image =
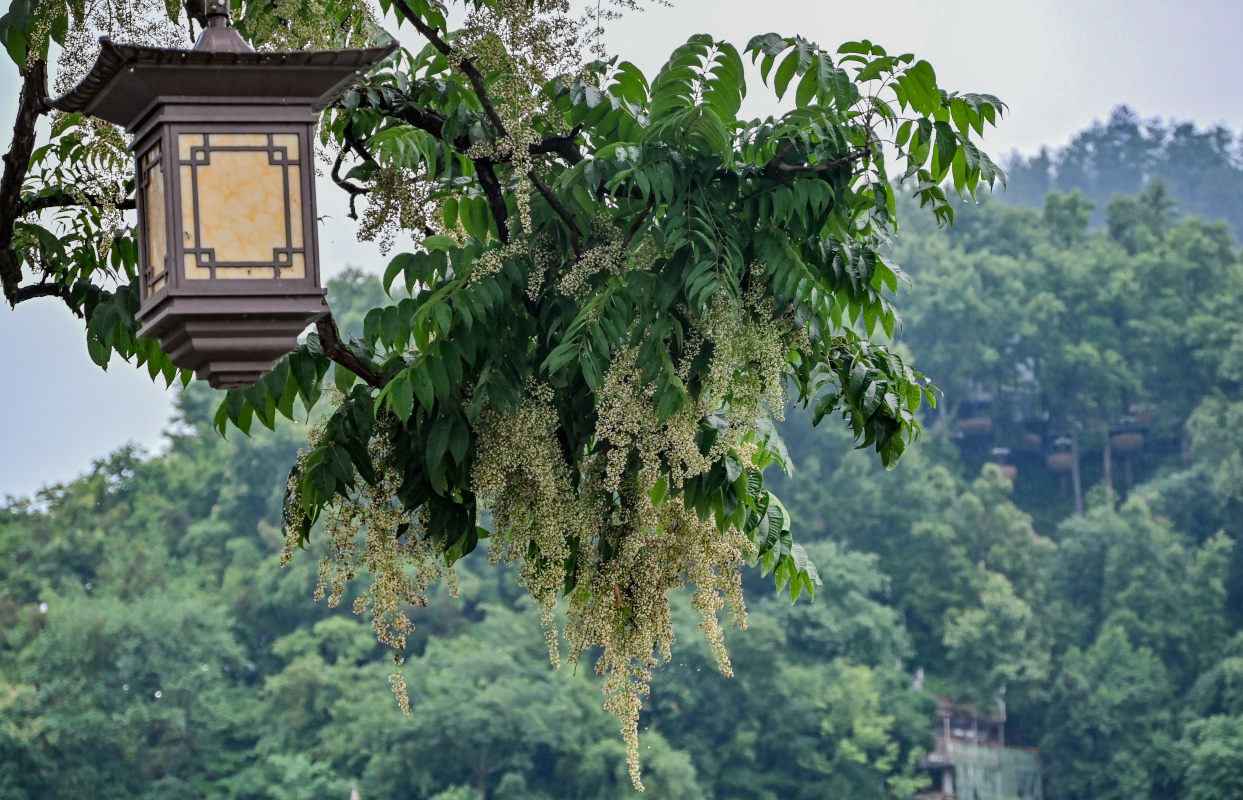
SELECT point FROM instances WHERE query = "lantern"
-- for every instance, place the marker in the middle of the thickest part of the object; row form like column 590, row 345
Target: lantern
column 225, row 183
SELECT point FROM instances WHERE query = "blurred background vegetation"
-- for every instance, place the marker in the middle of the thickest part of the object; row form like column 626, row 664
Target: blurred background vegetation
column 1063, row 541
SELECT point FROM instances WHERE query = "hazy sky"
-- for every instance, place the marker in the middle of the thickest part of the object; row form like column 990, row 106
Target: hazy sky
column 1058, row 64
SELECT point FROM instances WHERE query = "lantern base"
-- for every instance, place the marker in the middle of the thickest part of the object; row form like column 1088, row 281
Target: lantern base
column 230, row 343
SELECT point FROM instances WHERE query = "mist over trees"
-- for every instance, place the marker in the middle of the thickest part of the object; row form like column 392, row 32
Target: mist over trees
column 612, row 279
column 1201, row 168
column 174, row 658
column 607, row 285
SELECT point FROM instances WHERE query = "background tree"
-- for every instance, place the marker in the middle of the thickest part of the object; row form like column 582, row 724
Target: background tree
column 1201, row 169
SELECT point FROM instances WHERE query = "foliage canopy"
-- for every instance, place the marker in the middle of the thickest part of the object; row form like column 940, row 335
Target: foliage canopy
column 611, row 286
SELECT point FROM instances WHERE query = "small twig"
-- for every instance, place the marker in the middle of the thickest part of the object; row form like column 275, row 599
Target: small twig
column 354, row 189
column 551, row 198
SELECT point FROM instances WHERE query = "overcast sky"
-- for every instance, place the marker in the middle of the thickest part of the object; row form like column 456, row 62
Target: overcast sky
column 1058, row 64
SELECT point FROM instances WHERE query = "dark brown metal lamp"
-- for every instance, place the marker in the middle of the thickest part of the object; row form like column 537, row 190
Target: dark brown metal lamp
column 223, row 146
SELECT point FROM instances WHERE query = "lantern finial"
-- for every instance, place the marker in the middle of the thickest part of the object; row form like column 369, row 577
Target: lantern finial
column 218, row 35
column 208, row 12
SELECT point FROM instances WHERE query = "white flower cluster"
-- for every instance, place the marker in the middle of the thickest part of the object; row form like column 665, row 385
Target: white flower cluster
column 370, row 532
column 628, row 551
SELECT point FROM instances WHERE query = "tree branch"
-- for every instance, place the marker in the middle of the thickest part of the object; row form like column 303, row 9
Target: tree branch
column 428, row 120
column 30, row 106
column 563, row 146
column 780, row 156
column 484, row 168
column 551, row 198
column 63, row 199
column 354, row 189
column 782, row 166
column 30, row 292
column 433, row 122
column 466, row 65
column 338, row 352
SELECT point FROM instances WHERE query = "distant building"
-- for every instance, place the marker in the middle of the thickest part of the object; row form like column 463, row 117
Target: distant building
column 971, row 760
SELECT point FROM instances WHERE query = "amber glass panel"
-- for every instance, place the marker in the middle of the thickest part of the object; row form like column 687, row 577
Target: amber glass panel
column 155, row 224
column 238, row 140
column 296, row 268
column 192, row 270
column 185, row 142
column 289, row 141
column 243, row 210
column 295, row 207
column 243, row 273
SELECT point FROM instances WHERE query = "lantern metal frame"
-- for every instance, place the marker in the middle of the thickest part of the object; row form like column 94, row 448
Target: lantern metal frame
column 231, row 323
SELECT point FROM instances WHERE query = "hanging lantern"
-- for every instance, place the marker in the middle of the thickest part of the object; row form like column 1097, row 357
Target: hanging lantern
column 223, row 141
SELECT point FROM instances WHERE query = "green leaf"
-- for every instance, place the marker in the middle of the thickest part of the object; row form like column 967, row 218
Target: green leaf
column 400, row 395
column 400, row 263
column 785, row 73
column 449, row 212
column 808, row 88
column 423, row 387
column 904, row 134
column 437, row 447
column 459, row 440
column 343, row 378
column 439, row 242
column 947, row 145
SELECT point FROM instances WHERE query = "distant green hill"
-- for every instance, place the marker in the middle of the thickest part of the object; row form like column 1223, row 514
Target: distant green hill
column 1203, row 169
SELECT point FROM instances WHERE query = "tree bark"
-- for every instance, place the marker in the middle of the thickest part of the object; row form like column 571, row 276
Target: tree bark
column 30, row 106
column 1076, row 481
column 1107, row 465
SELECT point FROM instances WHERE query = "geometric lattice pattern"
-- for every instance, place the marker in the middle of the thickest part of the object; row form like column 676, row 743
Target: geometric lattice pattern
column 241, row 205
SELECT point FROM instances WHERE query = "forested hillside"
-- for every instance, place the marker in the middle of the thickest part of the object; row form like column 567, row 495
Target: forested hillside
column 152, row 647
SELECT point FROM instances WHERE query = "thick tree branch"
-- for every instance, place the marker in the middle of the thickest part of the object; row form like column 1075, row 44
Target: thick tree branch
column 338, row 352
column 30, row 292
column 563, row 146
column 30, row 106
column 465, row 65
column 782, row 166
column 485, row 168
column 426, row 120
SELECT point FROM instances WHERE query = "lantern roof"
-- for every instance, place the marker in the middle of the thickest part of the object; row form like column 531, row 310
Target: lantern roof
column 126, row 81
